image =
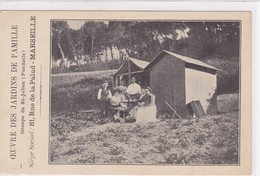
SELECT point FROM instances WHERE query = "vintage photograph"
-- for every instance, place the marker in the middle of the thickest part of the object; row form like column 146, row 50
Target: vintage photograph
column 144, row 92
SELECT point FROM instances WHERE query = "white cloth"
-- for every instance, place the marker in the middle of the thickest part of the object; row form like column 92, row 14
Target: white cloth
column 146, row 114
column 133, row 89
column 117, row 99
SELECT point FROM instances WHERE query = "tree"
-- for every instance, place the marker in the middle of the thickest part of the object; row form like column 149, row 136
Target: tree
column 57, row 29
column 93, row 33
column 141, row 39
column 209, row 38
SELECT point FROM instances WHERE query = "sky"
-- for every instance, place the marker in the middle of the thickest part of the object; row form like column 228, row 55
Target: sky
column 75, row 24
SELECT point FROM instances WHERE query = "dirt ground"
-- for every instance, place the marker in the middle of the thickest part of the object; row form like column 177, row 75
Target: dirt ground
column 87, row 140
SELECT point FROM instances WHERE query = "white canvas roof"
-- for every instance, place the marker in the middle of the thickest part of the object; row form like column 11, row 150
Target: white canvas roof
column 139, row 63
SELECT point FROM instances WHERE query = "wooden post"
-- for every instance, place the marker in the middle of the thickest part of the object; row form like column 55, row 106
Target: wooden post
column 129, row 72
column 92, row 48
column 115, row 78
column 116, row 81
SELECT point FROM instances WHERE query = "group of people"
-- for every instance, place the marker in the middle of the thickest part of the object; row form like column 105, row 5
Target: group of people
column 142, row 107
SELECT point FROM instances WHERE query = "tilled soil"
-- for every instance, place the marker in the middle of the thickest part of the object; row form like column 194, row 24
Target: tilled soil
column 198, row 141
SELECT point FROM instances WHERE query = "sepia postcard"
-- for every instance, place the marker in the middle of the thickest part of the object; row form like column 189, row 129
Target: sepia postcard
column 125, row 92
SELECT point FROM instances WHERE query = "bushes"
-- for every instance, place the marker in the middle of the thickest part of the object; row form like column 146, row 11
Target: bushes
column 98, row 66
column 74, row 96
column 228, row 77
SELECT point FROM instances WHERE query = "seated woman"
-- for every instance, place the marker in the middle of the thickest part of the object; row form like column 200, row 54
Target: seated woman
column 146, row 110
column 117, row 101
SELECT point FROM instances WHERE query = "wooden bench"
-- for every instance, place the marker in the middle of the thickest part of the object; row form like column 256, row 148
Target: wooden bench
column 88, row 111
column 123, row 110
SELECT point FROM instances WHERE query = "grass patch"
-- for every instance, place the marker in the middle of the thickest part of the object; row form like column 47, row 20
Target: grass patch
column 75, row 91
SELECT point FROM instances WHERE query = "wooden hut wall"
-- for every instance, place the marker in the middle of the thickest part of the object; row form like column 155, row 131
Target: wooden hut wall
column 167, row 78
column 201, row 86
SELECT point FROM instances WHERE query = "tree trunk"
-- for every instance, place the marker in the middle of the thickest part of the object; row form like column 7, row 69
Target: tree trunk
column 106, row 54
column 62, row 54
column 129, row 71
column 112, row 54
